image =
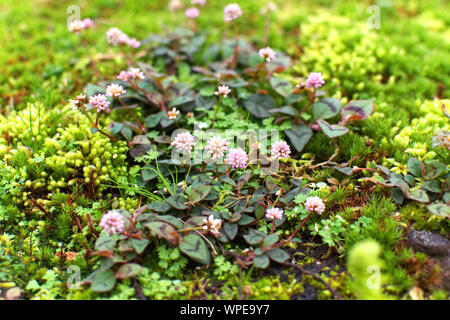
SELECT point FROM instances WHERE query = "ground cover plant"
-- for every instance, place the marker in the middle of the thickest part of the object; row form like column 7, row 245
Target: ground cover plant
column 225, row 150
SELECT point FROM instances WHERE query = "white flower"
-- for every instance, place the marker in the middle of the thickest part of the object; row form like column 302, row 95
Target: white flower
column 136, row 73
column 216, row 147
column 267, row 54
column 222, row 91
column 115, row 90
column 212, row 225
column 173, row 114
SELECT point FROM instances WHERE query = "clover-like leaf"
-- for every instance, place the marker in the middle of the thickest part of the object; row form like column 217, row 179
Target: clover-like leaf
column 326, row 108
column 163, row 230
column 139, row 245
column 299, row 136
column 195, row 248
column 230, row 229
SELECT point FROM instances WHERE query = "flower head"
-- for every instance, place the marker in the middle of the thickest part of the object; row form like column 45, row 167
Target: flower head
column 222, row 91
column 315, row 204
column 112, row 222
column 267, row 54
column 212, row 225
column 198, row 2
column 133, row 43
column 192, row 13
column 237, row 158
column 271, row 7
column 175, row 5
column 274, row 213
column 173, row 114
column 280, row 150
column 88, row 23
column 76, row 26
column 232, row 12
column 100, row 102
column 115, row 36
column 315, row 79
column 76, row 103
column 136, row 73
column 216, row 147
column 114, row 90
column 183, row 142
column 123, row 76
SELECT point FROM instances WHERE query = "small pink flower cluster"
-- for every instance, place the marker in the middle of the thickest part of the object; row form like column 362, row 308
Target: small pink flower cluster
column 77, row 102
column 115, row 36
column 267, row 54
column 192, row 13
column 175, row 5
column 280, row 150
column 100, row 102
column 212, row 225
column 314, row 80
column 134, row 73
column 274, row 213
column 115, row 90
column 237, row 158
column 315, row 204
column 222, row 91
column 232, row 12
column 198, row 2
column 216, row 147
column 183, row 142
column 112, row 222
column 77, row 26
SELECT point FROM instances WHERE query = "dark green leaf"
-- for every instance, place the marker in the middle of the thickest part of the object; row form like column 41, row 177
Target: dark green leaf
column 299, row 136
column 261, row 262
column 195, row 248
column 128, row 270
column 326, row 108
column 281, row 86
column 163, row 230
column 103, row 281
column 277, row 255
column 332, row 130
column 259, row 105
column 230, row 229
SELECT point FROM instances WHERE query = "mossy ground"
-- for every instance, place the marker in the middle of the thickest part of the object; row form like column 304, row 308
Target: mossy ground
column 54, row 171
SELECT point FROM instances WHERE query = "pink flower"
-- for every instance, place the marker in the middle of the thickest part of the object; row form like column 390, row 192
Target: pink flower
column 315, row 79
column 175, row 5
column 192, row 13
column 274, row 213
column 115, row 90
column 267, row 54
column 100, row 102
column 123, row 76
column 315, row 204
column 76, row 103
column 76, row 26
column 237, row 158
column 112, row 222
column 136, row 73
column 280, row 150
column 115, row 36
column 198, row 2
column 88, row 23
column 232, row 12
column 216, row 147
column 183, row 142
column 133, row 43
column 222, row 91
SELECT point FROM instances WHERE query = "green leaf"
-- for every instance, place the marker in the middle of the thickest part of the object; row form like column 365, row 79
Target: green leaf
column 140, row 245
column 326, row 108
column 277, row 255
column 432, row 186
column 332, row 130
column 105, row 242
column 270, row 240
column 199, row 193
column 103, row 281
column 439, row 209
column 261, row 261
column 245, row 220
column 254, row 237
column 230, row 229
column 286, row 110
column 418, row 195
column 92, row 90
column 195, row 248
column 281, row 86
column 128, row 270
column 415, row 166
column 299, row 136
column 163, row 230
column 357, row 110
column 259, row 105
column 433, row 169
column 153, row 120
column 177, row 201
column 159, row 206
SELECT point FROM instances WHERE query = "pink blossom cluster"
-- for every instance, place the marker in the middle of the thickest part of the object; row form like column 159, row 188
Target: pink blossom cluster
column 77, row 102
column 175, row 5
column 237, row 158
column 192, row 13
column 77, row 26
column 115, row 90
column 232, row 12
column 216, row 147
column 267, row 54
column 100, row 102
column 183, row 142
column 112, row 222
column 212, row 225
column 280, row 150
column 115, row 36
column 222, row 91
column 134, row 73
column 274, row 213
column 314, row 80
column 198, row 2
column 315, row 204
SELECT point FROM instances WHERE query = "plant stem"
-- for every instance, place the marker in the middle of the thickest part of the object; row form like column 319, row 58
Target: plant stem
column 132, row 114
column 215, row 113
